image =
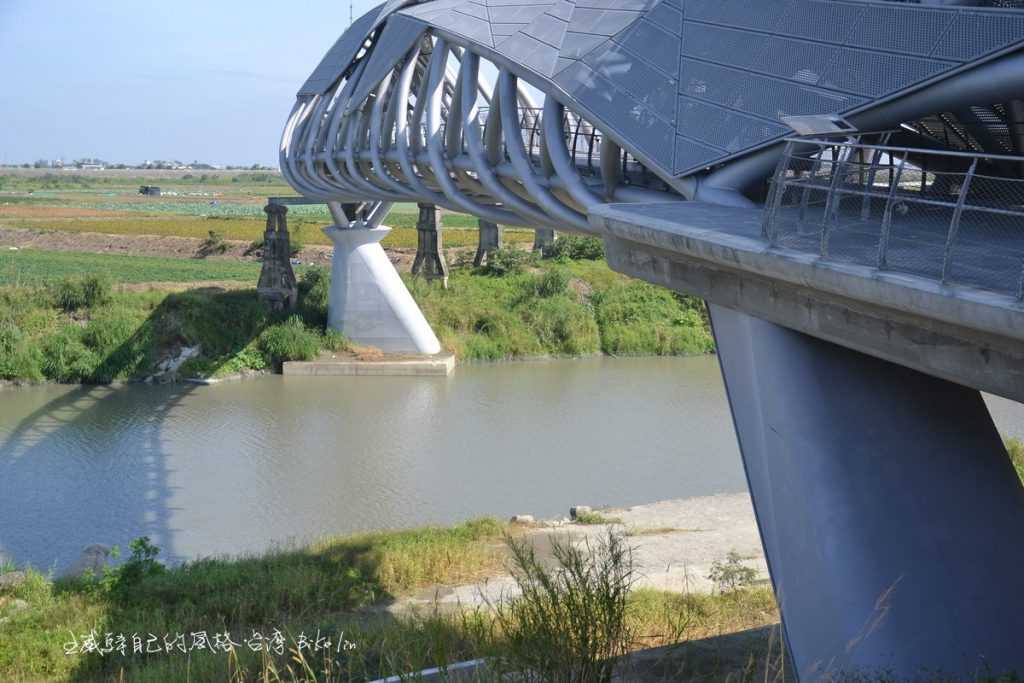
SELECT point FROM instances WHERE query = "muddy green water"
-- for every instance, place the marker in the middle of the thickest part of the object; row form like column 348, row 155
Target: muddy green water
column 242, row 466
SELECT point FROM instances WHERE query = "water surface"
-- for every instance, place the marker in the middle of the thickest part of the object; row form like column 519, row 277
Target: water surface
column 240, row 466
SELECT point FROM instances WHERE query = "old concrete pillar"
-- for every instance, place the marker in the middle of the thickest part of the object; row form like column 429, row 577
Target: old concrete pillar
column 429, row 256
column 490, row 240
column 277, row 287
column 543, row 238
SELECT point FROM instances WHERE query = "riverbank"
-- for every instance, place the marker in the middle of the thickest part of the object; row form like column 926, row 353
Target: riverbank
column 94, row 330
column 367, row 593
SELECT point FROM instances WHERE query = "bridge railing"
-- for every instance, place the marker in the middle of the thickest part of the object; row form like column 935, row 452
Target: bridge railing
column 955, row 217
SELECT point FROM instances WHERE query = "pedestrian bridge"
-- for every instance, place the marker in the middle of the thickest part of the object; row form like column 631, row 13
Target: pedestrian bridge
column 841, row 180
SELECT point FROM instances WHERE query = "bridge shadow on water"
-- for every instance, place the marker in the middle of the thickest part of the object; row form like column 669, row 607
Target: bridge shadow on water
column 90, row 465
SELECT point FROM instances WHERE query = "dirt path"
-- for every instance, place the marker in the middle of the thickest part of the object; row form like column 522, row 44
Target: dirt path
column 674, row 543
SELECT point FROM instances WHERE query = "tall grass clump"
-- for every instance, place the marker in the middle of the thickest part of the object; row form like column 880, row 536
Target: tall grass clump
column 90, row 291
column 314, row 287
column 639, row 318
column 569, row 625
column 290, row 340
column 19, row 358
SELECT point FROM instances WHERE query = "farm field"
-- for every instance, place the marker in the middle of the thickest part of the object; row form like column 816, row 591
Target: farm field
column 192, row 205
column 29, row 267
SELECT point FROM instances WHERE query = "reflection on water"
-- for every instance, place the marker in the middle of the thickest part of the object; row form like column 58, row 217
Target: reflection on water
column 235, row 467
column 238, row 467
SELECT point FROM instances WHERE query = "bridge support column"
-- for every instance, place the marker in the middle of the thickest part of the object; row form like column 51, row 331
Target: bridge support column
column 490, row 241
column 277, row 287
column 543, row 238
column 429, row 259
column 368, row 302
column 890, row 514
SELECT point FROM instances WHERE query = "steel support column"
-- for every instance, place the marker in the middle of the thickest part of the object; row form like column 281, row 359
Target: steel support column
column 890, row 514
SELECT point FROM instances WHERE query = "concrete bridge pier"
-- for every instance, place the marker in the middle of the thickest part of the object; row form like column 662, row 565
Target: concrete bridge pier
column 490, row 241
column 890, row 514
column 543, row 238
column 368, row 302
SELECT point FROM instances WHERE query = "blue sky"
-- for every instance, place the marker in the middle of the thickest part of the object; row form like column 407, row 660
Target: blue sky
column 129, row 81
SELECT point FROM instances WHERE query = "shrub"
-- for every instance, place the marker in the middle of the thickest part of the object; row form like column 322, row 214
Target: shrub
column 314, row 288
column 88, row 292
column 638, row 318
column 563, row 327
column 290, row 340
column 731, row 575
column 551, row 282
column 506, row 261
column 570, row 621
column 141, row 565
column 66, row 358
column 335, row 341
column 575, row 248
column 213, row 244
column 19, row 359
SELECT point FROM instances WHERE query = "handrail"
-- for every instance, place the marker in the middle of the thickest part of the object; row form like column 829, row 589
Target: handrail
column 950, row 226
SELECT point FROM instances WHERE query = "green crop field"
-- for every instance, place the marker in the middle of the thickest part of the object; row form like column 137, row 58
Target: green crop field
column 31, row 267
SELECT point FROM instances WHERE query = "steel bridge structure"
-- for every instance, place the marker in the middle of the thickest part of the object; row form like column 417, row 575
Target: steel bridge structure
column 841, row 180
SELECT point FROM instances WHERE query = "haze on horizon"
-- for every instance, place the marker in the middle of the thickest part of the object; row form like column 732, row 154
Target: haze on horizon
column 129, row 81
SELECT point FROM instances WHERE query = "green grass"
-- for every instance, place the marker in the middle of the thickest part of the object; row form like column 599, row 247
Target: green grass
column 32, row 267
column 68, row 331
column 323, row 586
column 53, row 326
column 529, row 314
column 570, row 617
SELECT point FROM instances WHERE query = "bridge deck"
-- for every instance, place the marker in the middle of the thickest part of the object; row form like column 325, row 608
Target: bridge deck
column 966, row 333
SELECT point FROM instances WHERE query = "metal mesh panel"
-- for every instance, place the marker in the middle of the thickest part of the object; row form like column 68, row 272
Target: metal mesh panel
column 976, row 33
column 915, row 32
column 723, row 128
column 690, row 153
column 822, row 21
column 876, row 73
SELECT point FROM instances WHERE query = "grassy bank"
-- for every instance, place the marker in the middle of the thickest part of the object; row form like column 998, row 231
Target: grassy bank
column 547, row 307
column 85, row 330
column 336, row 588
column 57, row 327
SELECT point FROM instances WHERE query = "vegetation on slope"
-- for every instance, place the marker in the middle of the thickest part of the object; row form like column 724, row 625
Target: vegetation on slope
column 70, row 329
column 521, row 307
column 571, row 619
column 82, row 330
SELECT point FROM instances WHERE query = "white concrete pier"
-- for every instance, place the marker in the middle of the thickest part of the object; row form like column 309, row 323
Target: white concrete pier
column 368, row 301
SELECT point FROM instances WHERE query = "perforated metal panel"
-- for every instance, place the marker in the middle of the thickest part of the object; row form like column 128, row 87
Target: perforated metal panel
column 688, row 83
column 398, row 36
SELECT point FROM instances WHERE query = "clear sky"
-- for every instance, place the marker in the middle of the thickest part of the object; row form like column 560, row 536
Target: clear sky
column 133, row 80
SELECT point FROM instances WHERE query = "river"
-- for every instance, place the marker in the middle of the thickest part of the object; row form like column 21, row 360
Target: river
column 243, row 466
